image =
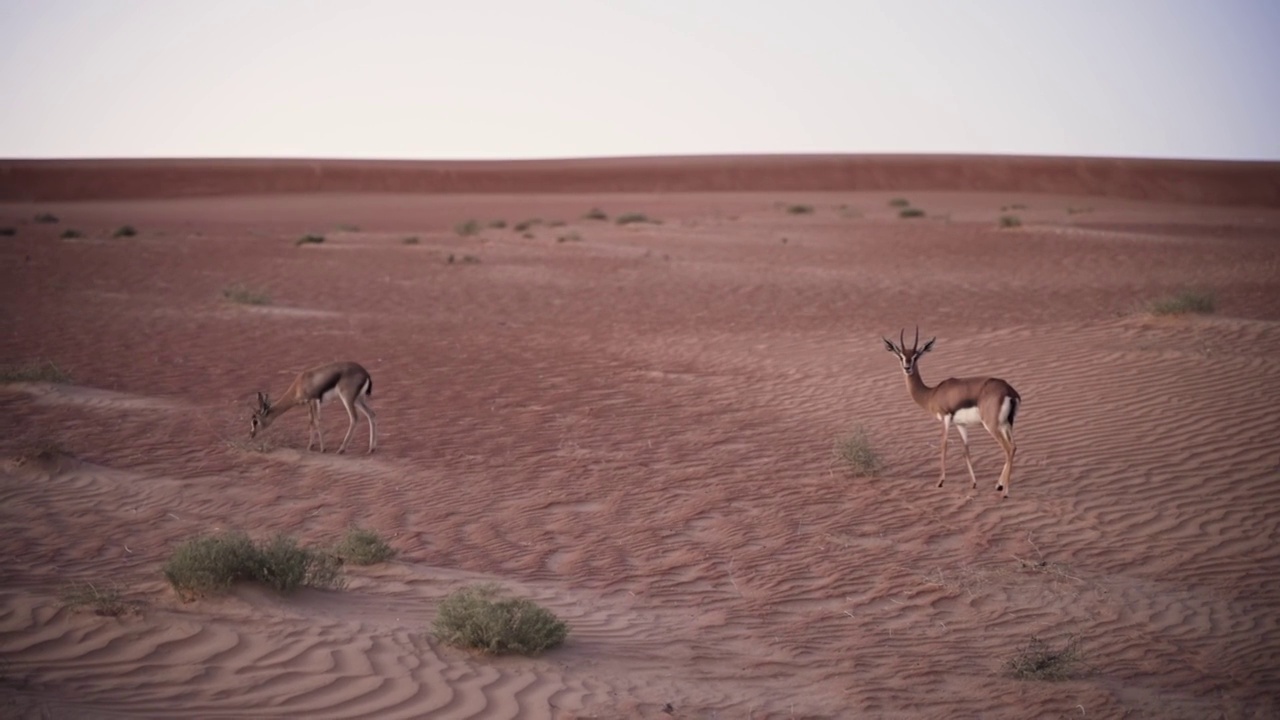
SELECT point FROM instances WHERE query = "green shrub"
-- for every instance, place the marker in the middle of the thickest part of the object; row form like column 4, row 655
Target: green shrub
column 363, row 547
column 467, row 228
column 1184, row 302
column 497, row 224
column 411, row 240
column 595, row 214
column 800, row 210
column 212, row 563
column 631, row 218
column 125, row 231
column 525, row 225
column 1010, row 221
column 899, row 203
column 910, row 212
column 475, row 617
column 570, row 237
column 854, row 453
column 309, row 240
column 38, row 371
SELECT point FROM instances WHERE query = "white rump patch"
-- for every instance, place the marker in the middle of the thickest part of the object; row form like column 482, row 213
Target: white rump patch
column 967, row 416
column 1005, row 408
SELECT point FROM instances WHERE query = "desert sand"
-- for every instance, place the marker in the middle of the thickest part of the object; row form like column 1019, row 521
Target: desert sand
column 633, row 425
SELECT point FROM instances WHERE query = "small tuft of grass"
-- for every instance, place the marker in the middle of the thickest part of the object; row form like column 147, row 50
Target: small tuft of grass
column 105, row 599
column 46, row 218
column 71, row 234
column 635, row 217
column 570, row 237
column 244, row 295
column 467, row 228
column 41, row 453
column 212, row 563
column 125, row 231
column 497, row 224
column 1184, row 302
column 595, row 214
column 910, row 212
column 411, row 240
column 363, row 547
column 1037, row 660
column 899, row 203
column 37, row 371
column 476, row 617
column 309, row 239
column 8, row 231
column 525, row 225
column 854, row 453
column 1010, row 221
column 464, row 260
column 800, row 210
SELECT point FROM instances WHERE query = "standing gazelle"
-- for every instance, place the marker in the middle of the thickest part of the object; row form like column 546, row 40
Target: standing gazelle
column 347, row 380
column 987, row 401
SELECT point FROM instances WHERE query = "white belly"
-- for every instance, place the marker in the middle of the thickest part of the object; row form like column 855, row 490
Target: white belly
column 967, row 416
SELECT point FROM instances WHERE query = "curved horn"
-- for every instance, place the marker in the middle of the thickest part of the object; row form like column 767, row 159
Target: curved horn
column 916, row 345
column 902, row 339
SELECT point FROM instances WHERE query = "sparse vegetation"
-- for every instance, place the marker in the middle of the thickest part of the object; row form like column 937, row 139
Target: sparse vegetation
column 125, row 231
column 1184, row 302
column 464, row 260
column 899, row 203
column 476, row 617
column 38, row 371
column 854, row 453
column 8, row 231
column 411, row 240
column 1010, row 221
column 595, row 214
column 525, row 225
column 46, row 218
column 363, row 547
column 1038, row 661
column 570, row 237
column 104, row 599
column 71, row 234
column 348, row 228
column 800, row 210
column 497, row 224
column 1015, row 206
column 632, row 218
column 467, row 228
column 245, row 295
column 309, row 239
column 910, row 212
column 42, row 452
column 212, row 563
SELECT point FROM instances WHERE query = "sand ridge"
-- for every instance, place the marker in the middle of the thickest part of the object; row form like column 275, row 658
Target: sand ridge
column 635, row 429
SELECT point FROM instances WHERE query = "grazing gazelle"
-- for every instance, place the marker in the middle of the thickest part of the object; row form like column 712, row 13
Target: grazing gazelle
column 347, row 380
column 986, row 401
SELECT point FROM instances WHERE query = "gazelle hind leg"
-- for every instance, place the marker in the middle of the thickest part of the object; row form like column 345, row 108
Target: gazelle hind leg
column 370, row 417
column 964, row 440
column 313, row 427
column 1004, row 436
column 351, row 425
column 946, row 430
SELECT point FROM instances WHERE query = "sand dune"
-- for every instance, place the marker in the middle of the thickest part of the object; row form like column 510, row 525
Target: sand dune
column 634, row 426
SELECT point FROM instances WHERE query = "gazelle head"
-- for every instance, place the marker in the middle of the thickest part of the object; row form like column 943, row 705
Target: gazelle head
column 908, row 358
column 261, row 415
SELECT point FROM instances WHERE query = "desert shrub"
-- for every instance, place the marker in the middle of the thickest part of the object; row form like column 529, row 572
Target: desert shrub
column 212, row 563
column 1038, row 661
column 475, row 617
column 899, row 203
column 1010, row 221
column 800, row 210
column 71, row 234
column 854, row 453
column 46, row 218
column 8, row 231
column 570, row 237
column 497, row 224
column 245, row 295
column 595, row 214
column 1015, row 206
column 525, row 225
column 1184, row 302
column 363, row 547
column 411, row 240
column 910, row 212
column 631, row 218
column 103, row 599
column 467, row 228
column 38, row 371
column 125, row 231
column 464, row 260
column 309, row 239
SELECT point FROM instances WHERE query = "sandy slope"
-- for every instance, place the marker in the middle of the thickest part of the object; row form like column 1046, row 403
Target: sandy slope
column 635, row 429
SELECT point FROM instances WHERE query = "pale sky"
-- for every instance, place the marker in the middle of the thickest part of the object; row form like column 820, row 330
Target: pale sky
column 491, row 79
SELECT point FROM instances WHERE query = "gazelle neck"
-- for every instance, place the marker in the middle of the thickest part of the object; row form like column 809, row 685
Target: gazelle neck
column 919, row 391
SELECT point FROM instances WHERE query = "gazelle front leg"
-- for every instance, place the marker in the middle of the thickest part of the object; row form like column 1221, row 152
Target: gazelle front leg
column 946, row 430
column 314, row 427
column 964, row 439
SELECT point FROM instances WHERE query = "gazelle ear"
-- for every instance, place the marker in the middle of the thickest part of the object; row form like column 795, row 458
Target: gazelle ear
column 927, row 347
column 888, row 345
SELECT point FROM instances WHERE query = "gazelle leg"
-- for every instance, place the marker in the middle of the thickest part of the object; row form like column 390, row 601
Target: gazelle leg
column 313, row 425
column 351, row 424
column 964, row 439
column 371, row 418
column 1004, row 436
column 946, row 430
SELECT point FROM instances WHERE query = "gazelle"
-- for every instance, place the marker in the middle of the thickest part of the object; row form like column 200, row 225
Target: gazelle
column 347, row 380
column 987, row 401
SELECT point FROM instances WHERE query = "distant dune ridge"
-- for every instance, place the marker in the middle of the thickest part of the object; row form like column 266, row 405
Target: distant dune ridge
column 1196, row 181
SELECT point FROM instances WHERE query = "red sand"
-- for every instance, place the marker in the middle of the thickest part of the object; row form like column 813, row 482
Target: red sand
column 634, row 427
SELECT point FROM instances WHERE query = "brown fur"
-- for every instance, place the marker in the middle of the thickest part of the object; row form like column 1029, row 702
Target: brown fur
column 953, row 395
column 344, row 379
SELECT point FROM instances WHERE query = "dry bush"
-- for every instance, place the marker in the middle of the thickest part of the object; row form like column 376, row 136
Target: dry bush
column 1037, row 660
column 212, row 563
column 363, row 547
column 854, row 453
column 476, row 617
